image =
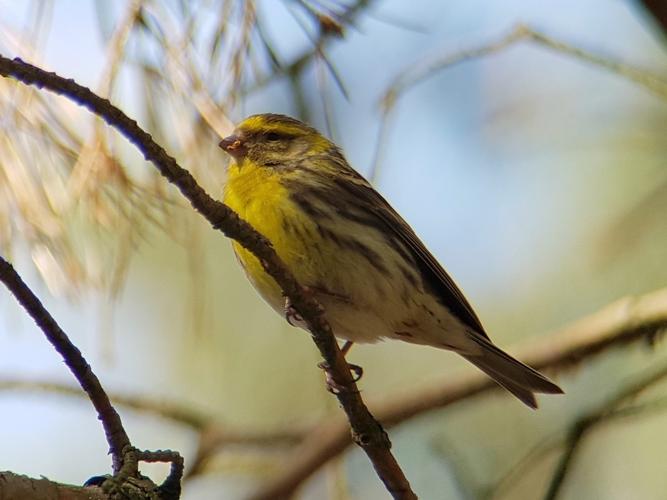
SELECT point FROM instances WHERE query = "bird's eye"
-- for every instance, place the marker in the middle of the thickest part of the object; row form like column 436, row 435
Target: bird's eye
column 273, row 136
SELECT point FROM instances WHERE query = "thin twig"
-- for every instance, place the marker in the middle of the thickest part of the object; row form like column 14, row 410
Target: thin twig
column 116, row 46
column 625, row 321
column 176, row 413
column 534, row 455
column 367, row 432
column 585, row 424
column 216, row 436
column 380, row 143
column 170, row 489
column 113, row 428
column 325, row 36
column 613, row 409
column 422, row 70
column 213, row 433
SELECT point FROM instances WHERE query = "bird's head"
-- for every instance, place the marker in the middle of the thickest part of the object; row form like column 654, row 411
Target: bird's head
column 272, row 140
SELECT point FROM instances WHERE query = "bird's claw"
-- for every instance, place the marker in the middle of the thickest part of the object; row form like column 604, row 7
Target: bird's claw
column 291, row 315
column 333, row 386
column 357, row 372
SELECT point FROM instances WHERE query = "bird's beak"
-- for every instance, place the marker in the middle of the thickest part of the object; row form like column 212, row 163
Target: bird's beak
column 234, row 146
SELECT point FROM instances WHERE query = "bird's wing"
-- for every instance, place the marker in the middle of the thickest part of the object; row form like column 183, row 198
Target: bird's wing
column 432, row 272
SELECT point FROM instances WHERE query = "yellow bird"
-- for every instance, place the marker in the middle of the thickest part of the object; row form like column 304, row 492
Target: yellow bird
column 360, row 259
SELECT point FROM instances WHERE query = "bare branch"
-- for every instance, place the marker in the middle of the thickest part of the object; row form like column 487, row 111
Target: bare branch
column 213, row 433
column 170, row 411
column 425, row 69
column 27, row 488
column 615, row 408
column 623, row 322
column 325, row 36
column 116, row 46
column 585, row 424
column 658, row 9
column 367, row 431
column 217, row 436
column 113, row 427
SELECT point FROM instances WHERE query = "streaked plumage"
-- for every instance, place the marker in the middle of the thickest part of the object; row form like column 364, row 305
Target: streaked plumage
column 341, row 238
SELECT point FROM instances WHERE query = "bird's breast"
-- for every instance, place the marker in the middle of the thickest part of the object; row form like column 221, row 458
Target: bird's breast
column 258, row 196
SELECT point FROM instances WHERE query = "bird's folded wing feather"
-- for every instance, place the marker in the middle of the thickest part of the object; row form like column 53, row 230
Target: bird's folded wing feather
column 432, row 272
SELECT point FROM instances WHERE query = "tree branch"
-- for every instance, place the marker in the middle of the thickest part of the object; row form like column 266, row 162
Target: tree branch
column 294, row 68
column 623, row 322
column 611, row 409
column 658, row 9
column 180, row 414
column 27, row 488
column 213, row 434
column 426, row 68
column 615, row 408
column 126, row 471
column 367, row 432
column 113, row 427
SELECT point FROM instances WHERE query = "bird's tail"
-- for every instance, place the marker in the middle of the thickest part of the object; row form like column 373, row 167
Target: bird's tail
column 519, row 379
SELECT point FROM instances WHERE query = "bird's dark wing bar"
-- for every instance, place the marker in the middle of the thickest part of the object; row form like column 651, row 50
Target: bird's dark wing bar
column 432, row 272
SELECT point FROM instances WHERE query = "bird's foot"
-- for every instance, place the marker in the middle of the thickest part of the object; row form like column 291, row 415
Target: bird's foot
column 291, row 315
column 333, row 386
column 357, row 372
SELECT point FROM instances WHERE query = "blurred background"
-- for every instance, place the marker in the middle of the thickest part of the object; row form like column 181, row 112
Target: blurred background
column 537, row 177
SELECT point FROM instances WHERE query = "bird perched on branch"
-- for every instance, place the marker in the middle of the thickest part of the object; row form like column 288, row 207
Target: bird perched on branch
column 342, row 240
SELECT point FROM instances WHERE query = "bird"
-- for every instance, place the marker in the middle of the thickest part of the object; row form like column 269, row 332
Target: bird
column 351, row 250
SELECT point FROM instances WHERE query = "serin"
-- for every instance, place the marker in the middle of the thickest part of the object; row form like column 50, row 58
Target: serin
column 360, row 259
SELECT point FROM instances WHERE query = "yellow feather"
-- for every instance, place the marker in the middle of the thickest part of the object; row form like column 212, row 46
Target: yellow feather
column 258, row 196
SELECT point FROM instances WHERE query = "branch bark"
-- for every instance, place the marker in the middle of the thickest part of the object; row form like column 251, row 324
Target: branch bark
column 658, row 9
column 113, row 427
column 125, row 457
column 625, row 321
column 27, row 488
column 367, row 432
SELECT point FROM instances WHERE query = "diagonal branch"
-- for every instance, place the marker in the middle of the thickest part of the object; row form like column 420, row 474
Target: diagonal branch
column 618, row 407
column 367, row 432
column 346, row 18
column 625, row 321
column 113, row 427
column 521, row 33
column 612, row 409
column 658, row 9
